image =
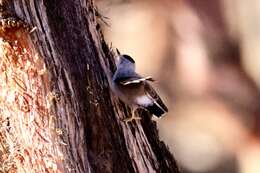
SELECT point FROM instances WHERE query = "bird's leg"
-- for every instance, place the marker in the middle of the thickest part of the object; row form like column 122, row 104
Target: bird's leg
column 133, row 117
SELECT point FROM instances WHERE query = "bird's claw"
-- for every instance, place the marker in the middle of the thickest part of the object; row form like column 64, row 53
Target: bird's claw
column 127, row 120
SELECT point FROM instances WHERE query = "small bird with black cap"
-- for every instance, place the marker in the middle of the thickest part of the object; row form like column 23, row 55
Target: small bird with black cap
column 135, row 90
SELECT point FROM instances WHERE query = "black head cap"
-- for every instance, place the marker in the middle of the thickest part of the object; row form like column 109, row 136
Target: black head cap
column 129, row 58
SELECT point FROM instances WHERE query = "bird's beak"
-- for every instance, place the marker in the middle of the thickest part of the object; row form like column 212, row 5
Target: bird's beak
column 117, row 58
column 118, row 53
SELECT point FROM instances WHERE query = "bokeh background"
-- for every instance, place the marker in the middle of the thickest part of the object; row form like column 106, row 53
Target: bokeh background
column 205, row 56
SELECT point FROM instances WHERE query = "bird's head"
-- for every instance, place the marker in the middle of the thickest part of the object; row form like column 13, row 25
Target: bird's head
column 124, row 61
column 127, row 59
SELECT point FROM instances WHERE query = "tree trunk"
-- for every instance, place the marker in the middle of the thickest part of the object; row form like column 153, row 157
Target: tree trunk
column 65, row 118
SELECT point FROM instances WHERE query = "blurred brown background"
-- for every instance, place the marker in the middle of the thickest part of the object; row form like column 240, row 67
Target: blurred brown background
column 205, row 56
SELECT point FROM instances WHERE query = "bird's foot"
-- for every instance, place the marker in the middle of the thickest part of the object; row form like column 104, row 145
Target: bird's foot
column 127, row 120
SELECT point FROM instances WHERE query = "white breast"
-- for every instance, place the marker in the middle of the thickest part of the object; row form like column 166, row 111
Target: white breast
column 143, row 100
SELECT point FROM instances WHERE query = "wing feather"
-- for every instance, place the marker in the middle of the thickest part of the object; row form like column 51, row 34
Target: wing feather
column 131, row 78
column 155, row 97
column 135, row 80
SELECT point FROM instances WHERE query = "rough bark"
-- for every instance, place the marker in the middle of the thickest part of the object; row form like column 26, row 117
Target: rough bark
column 79, row 64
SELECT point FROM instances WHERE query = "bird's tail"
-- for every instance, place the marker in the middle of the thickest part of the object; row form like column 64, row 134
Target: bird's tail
column 156, row 109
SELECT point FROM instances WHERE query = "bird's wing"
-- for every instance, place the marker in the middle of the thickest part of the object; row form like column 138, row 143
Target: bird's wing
column 151, row 93
column 135, row 80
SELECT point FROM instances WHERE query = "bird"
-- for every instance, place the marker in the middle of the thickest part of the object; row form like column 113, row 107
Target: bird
column 135, row 90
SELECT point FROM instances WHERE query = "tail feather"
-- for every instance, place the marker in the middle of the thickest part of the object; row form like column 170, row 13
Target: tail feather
column 156, row 109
